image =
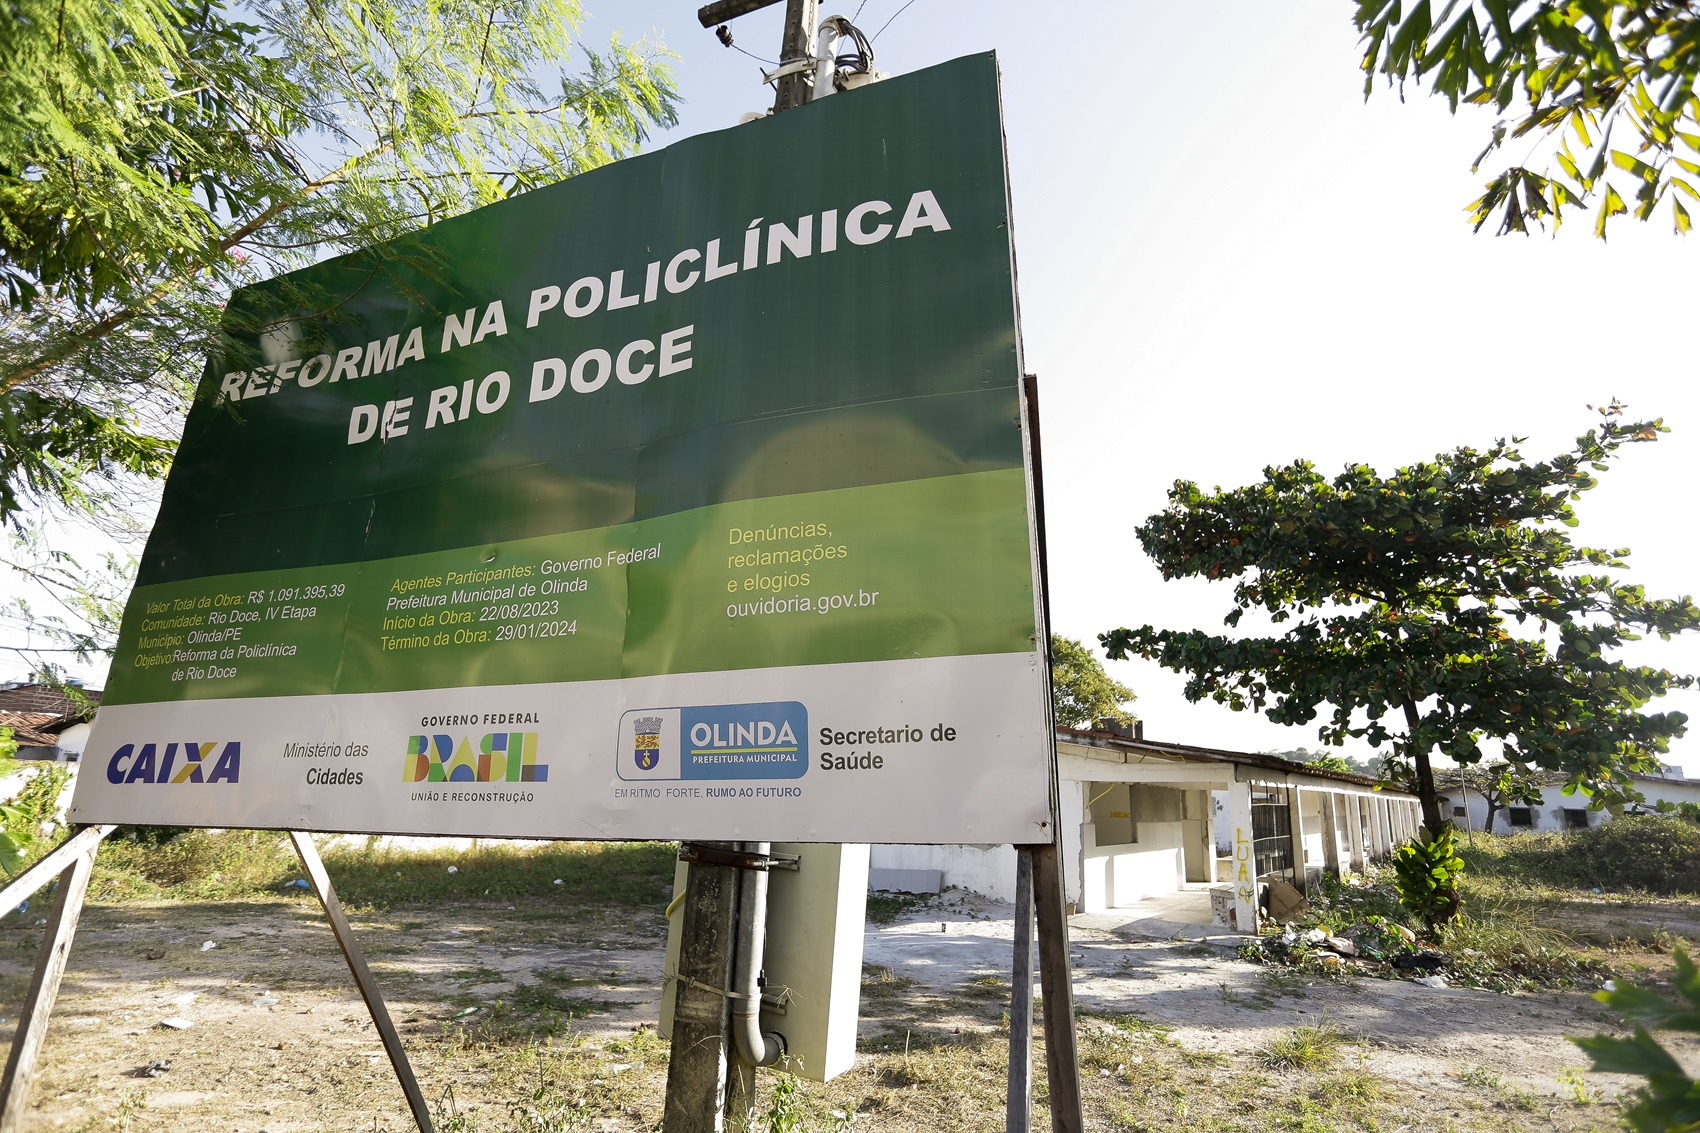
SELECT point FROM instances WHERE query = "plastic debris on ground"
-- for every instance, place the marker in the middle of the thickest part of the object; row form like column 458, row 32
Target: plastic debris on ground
column 208, row 945
column 176, row 1023
column 155, row 1069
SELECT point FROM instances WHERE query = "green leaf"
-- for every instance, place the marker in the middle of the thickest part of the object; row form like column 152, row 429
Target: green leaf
column 1639, row 1055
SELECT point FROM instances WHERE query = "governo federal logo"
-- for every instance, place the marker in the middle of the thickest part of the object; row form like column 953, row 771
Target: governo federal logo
column 497, row 757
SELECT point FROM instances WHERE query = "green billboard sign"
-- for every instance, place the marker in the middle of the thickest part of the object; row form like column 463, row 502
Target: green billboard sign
column 681, row 499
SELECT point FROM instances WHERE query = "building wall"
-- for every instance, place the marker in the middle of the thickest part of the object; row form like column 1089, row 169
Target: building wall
column 1550, row 815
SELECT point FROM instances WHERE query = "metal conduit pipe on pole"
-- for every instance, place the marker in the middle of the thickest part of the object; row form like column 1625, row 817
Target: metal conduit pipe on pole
column 826, row 56
column 755, row 1047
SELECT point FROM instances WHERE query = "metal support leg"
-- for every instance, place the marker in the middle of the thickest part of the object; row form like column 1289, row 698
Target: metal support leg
column 321, row 882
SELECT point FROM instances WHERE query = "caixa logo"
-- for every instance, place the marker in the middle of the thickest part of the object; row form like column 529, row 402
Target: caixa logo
column 176, row 763
column 500, row 757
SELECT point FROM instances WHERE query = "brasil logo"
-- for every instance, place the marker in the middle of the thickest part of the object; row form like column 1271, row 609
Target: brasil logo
column 500, row 757
column 646, row 745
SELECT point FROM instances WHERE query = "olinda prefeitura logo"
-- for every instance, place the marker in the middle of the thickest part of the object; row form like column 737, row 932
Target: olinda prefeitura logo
column 176, row 763
column 720, row 741
column 498, row 757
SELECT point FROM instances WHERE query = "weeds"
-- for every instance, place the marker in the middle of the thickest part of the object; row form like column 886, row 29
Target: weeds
column 236, row 864
column 1635, row 853
column 884, row 908
column 1308, row 1046
column 1570, row 1077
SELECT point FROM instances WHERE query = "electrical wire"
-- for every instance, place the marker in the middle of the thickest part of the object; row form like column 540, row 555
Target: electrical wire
column 752, row 55
column 859, row 8
column 887, row 24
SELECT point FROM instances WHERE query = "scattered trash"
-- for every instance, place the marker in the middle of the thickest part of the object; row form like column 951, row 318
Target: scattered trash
column 154, row 1069
column 265, row 1001
column 1341, row 945
column 1405, row 934
column 1424, row 961
column 1609, row 985
column 1434, row 981
column 464, row 1013
column 1315, row 936
column 23, row 906
column 208, row 945
column 176, row 1023
column 299, row 883
column 454, row 869
column 557, row 881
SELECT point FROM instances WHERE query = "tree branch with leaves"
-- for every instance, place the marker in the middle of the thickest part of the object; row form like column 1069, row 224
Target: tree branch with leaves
column 1430, row 610
column 1603, row 91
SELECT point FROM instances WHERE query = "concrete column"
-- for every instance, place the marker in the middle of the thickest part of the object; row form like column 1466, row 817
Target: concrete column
column 1296, row 829
column 1330, row 833
column 1378, row 825
column 1245, row 861
column 1354, row 806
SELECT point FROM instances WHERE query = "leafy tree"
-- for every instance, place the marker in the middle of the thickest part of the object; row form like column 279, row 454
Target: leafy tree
column 1500, row 784
column 156, row 154
column 1432, row 608
column 1571, row 74
column 1331, row 761
column 1081, row 691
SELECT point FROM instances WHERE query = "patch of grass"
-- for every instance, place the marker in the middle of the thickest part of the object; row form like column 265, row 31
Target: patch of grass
column 478, row 976
column 986, row 987
column 1640, row 853
column 1481, row 1077
column 880, row 980
column 535, row 997
column 1308, row 1046
column 606, row 877
column 885, row 908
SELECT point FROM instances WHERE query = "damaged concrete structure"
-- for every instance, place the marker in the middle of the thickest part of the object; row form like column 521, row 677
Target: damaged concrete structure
column 1201, row 830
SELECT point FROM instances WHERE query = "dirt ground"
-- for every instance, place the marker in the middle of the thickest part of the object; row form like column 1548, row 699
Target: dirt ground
column 508, row 1004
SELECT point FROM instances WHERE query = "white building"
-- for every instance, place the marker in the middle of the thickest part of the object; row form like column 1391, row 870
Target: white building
column 1143, row 820
column 1559, row 811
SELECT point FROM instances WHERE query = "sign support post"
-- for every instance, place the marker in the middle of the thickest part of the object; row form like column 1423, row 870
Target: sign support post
column 701, row 1055
column 79, row 851
column 1062, row 1056
column 314, row 867
column 44, row 986
column 1018, row 1115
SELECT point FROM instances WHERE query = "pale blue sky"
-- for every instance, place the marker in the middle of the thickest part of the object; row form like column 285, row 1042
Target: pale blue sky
column 1227, row 259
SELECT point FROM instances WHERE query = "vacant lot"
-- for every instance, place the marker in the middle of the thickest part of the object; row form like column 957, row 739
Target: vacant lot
column 529, row 1005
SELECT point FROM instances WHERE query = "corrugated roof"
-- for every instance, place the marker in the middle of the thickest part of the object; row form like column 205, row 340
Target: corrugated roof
column 28, row 728
column 1193, row 753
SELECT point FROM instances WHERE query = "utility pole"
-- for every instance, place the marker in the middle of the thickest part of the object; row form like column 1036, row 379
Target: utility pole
column 697, row 1067
column 793, row 79
column 705, row 1079
column 797, row 48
